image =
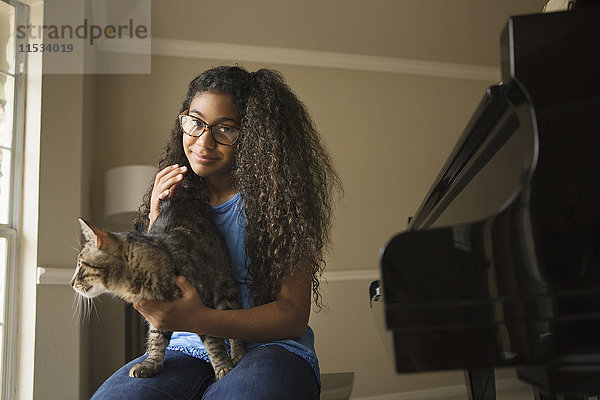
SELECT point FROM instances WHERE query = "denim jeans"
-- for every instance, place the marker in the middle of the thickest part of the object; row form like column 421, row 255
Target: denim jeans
column 269, row 372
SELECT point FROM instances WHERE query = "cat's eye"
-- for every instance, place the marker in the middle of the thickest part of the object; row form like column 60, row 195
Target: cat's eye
column 88, row 265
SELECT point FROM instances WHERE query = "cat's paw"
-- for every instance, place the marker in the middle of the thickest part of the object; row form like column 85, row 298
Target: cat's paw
column 236, row 358
column 222, row 372
column 143, row 370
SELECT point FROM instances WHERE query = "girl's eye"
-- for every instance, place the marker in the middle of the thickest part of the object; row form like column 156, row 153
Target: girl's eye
column 225, row 129
column 200, row 124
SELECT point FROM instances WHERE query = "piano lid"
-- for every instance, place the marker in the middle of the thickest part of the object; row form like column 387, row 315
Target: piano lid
column 493, row 158
column 549, row 62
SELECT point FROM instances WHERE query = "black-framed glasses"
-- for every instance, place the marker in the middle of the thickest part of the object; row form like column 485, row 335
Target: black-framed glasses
column 195, row 127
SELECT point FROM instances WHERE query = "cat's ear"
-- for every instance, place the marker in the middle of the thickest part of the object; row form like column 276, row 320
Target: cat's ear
column 102, row 238
column 87, row 230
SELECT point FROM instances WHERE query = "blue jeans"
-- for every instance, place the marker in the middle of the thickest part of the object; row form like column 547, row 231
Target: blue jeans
column 269, row 372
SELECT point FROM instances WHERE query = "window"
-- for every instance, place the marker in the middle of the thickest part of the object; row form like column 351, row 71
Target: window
column 12, row 14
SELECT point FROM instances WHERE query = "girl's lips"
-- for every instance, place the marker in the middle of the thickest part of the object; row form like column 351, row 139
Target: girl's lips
column 203, row 159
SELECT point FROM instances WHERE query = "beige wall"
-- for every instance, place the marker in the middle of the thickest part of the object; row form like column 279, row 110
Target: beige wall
column 388, row 133
column 58, row 335
column 458, row 31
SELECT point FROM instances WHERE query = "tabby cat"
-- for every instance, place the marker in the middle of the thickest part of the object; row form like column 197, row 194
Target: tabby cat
column 142, row 266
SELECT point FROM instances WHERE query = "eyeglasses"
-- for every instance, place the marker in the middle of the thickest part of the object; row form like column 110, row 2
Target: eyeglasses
column 195, row 127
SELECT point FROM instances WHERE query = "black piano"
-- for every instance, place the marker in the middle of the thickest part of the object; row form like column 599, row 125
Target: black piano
column 500, row 265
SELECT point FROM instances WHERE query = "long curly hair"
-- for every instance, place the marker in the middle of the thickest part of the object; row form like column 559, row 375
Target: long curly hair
column 282, row 171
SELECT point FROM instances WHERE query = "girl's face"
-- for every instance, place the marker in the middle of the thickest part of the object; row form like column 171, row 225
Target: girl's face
column 208, row 158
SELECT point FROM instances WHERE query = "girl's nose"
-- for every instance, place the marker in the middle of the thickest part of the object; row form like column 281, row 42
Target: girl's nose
column 206, row 140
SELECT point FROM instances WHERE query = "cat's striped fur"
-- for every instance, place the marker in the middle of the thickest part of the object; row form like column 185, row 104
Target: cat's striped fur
column 141, row 266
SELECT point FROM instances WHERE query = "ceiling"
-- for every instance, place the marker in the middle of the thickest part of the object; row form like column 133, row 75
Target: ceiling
column 455, row 31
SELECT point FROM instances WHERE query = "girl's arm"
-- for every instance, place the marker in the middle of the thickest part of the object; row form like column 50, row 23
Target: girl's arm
column 284, row 318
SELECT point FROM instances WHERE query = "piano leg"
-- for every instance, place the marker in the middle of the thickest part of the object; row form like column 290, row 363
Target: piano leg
column 481, row 384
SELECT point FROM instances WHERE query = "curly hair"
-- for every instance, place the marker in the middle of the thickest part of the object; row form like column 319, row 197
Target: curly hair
column 282, row 171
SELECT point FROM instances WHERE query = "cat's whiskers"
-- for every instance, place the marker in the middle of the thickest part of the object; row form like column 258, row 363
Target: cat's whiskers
column 93, row 307
column 76, row 308
column 89, row 304
column 83, row 307
column 78, row 305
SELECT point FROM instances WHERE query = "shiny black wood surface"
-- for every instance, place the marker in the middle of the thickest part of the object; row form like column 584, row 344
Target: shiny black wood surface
column 501, row 263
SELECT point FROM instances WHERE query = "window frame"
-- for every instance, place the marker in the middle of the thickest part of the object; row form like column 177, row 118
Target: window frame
column 11, row 229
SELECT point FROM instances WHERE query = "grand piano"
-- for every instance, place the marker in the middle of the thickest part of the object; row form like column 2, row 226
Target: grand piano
column 500, row 265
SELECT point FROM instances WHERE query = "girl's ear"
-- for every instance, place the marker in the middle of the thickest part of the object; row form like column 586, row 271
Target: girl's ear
column 103, row 239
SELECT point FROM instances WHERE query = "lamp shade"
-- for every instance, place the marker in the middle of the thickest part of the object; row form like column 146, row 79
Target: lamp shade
column 124, row 189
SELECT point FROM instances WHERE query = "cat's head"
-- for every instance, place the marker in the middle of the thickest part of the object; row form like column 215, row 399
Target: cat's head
column 126, row 264
column 103, row 253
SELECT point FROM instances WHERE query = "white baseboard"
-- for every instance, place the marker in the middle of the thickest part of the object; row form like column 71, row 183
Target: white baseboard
column 351, row 275
column 449, row 392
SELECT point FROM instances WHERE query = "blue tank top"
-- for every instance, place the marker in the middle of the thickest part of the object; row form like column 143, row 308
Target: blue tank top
column 231, row 223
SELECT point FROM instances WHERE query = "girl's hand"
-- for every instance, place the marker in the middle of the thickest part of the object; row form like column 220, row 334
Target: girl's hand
column 183, row 314
column 165, row 184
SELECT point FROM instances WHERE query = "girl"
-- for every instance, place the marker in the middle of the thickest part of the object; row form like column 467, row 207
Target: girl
column 246, row 145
